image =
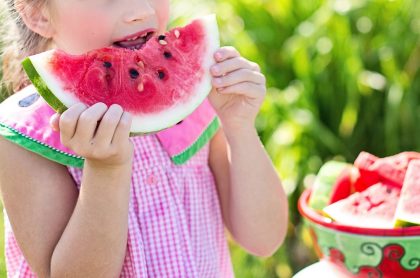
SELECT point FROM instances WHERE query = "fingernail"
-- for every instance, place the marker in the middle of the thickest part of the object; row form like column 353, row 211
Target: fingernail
column 219, row 55
column 216, row 69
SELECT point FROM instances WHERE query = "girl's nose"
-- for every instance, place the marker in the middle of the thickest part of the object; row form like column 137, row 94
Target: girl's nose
column 140, row 10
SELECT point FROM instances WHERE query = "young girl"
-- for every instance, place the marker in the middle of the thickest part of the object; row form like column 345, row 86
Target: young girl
column 129, row 210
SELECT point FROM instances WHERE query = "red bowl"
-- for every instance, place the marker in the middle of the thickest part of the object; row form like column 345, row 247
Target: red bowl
column 363, row 252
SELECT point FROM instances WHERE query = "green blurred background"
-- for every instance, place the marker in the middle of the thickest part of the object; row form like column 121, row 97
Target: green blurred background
column 343, row 76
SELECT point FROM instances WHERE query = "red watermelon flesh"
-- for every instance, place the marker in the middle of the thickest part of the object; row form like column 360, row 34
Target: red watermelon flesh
column 367, row 177
column 372, row 208
column 344, row 185
column 159, row 84
column 390, row 170
column 408, row 210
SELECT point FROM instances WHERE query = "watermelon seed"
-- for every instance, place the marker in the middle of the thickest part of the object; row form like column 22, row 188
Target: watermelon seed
column 161, row 74
column 177, row 34
column 161, row 37
column 167, row 54
column 140, row 87
column 134, row 73
column 140, row 64
column 162, row 42
column 107, row 65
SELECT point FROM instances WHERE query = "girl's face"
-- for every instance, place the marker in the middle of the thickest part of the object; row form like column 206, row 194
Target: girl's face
column 83, row 25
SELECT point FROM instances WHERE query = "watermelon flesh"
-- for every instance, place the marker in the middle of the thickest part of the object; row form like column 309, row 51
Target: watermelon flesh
column 159, row 84
column 408, row 209
column 372, row 208
column 390, row 170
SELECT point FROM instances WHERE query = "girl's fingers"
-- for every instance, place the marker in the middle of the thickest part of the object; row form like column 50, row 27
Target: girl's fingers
column 225, row 53
column 122, row 131
column 68, row 121
column 88, row 121
column 238, row 76
column 54, row 122
column 108, row 124
column 233, row 64
column 248, row 89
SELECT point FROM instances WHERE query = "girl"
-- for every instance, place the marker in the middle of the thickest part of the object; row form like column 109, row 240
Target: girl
column 130, row 211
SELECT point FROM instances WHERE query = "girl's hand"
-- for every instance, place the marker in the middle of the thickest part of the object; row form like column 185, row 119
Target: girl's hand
column 238, row 89
column 98, row 133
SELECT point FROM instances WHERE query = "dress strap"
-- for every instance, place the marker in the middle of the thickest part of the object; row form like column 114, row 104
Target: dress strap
column 24, row 120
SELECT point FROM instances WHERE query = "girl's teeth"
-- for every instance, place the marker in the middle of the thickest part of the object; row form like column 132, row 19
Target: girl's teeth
column 135, row 38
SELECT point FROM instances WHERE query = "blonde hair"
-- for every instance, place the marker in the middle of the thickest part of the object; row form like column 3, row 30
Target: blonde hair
column 18, row 42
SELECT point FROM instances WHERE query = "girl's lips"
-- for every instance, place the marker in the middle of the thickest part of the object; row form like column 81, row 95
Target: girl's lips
column 135, row 41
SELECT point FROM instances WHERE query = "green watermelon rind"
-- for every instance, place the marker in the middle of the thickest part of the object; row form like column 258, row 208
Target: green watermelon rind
column 400, row 223
column 42, row 87
column 324, row 183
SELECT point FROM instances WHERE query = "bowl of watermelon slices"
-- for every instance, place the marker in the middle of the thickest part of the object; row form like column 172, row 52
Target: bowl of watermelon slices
column 364, row 218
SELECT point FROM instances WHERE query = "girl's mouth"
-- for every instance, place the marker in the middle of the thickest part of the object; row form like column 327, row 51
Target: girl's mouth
column 135, row 42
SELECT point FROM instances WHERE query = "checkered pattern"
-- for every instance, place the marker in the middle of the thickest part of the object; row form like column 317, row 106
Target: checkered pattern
column 175, row 222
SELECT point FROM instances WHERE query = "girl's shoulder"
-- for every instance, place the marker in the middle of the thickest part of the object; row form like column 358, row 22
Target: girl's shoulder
column 24, row 120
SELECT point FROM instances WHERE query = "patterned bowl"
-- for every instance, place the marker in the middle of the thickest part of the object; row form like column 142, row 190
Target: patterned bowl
column 363, row 252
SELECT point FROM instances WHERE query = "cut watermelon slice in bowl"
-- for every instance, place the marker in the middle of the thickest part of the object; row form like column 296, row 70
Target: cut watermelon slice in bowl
column 363, row 252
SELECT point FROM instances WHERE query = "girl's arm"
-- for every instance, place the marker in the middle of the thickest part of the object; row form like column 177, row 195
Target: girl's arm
column 60, row 232
column 254, row 204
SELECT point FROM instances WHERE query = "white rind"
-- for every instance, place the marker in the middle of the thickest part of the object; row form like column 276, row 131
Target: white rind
column 43, row 68
column 143, row 123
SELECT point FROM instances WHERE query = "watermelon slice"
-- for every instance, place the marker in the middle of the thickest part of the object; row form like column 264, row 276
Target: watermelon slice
column 390, row 170
column 364, row 162
column 408, row 209
column 332, row 183
column 159, row 84
column 372, row 208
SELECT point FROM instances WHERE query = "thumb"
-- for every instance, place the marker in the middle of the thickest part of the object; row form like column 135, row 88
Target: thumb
column 54, row 121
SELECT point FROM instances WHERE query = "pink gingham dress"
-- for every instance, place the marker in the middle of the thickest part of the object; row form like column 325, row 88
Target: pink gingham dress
column 175, row 222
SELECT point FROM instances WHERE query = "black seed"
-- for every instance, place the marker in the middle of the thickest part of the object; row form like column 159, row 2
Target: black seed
column 161, row 37
column 161, row 74
column 167, row 54
column 107, row 65
column 134, row 73
column 179, row 123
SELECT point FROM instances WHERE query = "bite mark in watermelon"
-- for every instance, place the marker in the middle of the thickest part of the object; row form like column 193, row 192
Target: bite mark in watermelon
column 160, row 84
column 408, row 209
column 372, row 208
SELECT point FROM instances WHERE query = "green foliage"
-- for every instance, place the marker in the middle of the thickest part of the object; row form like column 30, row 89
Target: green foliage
column 343, row 76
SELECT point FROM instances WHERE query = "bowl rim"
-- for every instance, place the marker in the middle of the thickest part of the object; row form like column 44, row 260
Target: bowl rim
column 312, row 215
